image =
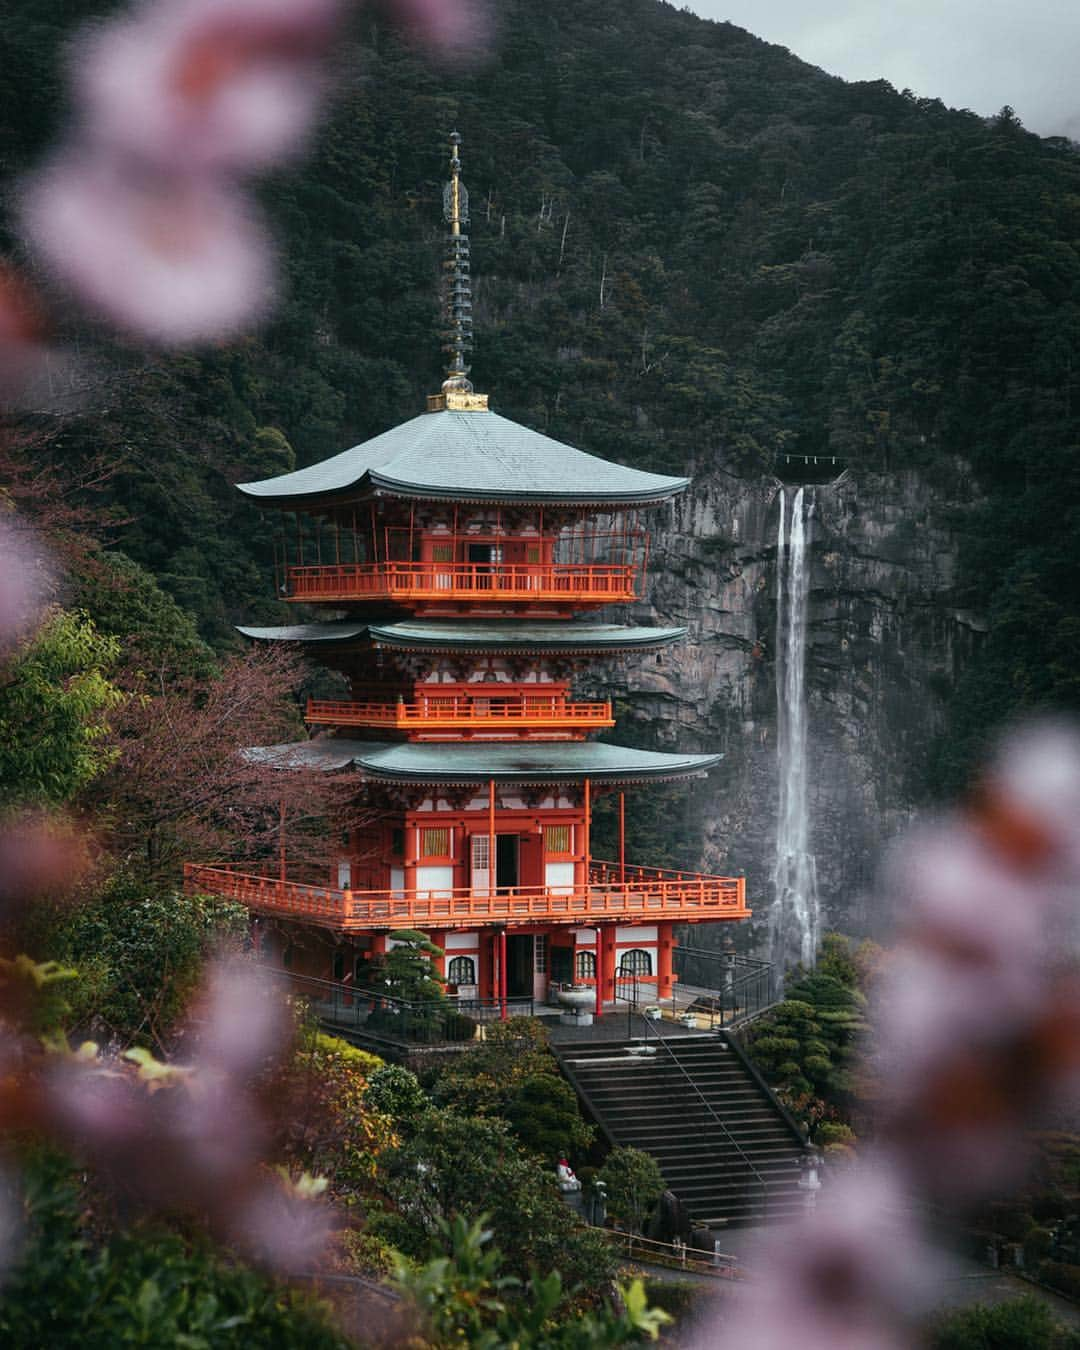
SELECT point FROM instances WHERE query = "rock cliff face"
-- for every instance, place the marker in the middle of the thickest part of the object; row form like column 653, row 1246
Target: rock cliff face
column 885, row 644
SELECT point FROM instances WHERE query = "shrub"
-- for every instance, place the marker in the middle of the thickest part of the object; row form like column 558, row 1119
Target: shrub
column 396, row 1092
column 368, row 1254
column 771, row 1047
column 1023, row 1322
column 634, row 1184
column 676, row 1297
column 833, row 1132
column 789, row 1069
column 817, row 1066
column 1060, row 1275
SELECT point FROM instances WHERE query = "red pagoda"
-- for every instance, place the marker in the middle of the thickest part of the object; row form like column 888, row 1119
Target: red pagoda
column 463, row 558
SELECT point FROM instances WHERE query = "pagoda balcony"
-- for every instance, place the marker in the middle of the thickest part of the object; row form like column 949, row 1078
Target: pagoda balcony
column 531, row 716
column 567, row 584
column 612, row 894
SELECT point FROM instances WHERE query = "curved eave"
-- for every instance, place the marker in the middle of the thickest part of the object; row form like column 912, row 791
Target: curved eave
column 507, row 643
column 465, row 457
column 418, row 764
column 375, row 485
column 494, row 641
column 317, row 633
column 389, row 487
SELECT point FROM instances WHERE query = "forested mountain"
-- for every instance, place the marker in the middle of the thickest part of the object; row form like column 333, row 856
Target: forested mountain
column 691, row 249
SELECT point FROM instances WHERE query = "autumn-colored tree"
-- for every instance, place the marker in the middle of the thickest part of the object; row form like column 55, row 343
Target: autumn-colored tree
column 183, row 788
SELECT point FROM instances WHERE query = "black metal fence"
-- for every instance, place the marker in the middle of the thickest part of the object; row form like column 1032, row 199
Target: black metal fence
column 378, row 1013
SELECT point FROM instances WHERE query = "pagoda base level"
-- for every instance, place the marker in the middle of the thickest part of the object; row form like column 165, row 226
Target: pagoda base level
column 537, row 970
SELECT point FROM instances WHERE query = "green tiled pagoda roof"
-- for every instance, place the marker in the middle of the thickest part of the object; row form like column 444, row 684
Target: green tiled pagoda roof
column 466, row 456
column 468, row 635
column 505, row 762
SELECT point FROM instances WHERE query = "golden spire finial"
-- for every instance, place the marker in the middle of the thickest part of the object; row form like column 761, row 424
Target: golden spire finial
column 457, row 391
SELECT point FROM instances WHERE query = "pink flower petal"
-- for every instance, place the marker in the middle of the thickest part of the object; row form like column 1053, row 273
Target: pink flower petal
column 244, row 1019
column 171, row 258
column 208, row 84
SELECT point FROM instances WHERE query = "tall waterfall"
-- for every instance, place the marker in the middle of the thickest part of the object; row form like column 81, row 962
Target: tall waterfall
column 794, row 917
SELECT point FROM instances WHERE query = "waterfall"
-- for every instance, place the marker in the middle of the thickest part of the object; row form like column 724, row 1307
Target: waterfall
column 794, row 917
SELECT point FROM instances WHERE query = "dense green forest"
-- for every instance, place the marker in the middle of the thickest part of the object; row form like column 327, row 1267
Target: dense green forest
column 691, row 249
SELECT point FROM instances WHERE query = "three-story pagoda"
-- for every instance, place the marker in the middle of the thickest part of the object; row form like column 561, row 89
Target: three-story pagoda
column 465, row 558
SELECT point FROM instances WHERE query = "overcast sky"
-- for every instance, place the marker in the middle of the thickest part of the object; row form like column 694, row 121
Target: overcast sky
column 977, row 54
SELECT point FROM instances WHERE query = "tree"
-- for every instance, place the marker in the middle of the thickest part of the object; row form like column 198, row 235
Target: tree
column 463, row 1298
column 456, row 1165
column 181, row 786
column 56, row 700
column 634, row 1184
column 396, row 1092
column 333, row 1128
column 140, row 951
column 71, row 1288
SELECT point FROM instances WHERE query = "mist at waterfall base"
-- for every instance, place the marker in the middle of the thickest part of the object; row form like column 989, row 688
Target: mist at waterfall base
column 794, row 916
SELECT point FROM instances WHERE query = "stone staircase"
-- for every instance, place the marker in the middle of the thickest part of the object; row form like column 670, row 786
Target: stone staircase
column 724, row 1144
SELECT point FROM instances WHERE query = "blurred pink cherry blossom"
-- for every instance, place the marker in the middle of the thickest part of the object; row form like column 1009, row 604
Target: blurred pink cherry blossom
column 207, row 84
column 26, row 579
column 173, row 258
column 852, row 1275
column 453, row 27
column 190, row 1138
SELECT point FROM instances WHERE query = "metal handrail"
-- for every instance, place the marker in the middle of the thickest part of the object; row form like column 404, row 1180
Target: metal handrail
column 709, row 1108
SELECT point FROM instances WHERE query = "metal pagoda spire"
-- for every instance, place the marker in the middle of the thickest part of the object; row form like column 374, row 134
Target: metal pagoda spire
column 457, row 391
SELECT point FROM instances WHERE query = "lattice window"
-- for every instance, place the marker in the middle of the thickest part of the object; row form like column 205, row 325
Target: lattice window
column 435, row 843
column 635, row 962
column 442, row 553
column 585, row 966
column 461, row 970
column 481, row 852
column 557, row 838
column 532, row 553
column 540, row 954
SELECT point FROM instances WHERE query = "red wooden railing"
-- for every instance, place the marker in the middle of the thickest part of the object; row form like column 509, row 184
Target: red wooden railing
column 646, row 893
column 600, row 583
column 480, row 713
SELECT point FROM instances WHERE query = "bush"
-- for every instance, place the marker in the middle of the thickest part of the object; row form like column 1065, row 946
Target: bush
column 1061, row 1276
column 790, row 1068
column 1022, row 1324
column 676, row 1297
column 817, row 1066
column 396, row 1092
column 367, row 1254
column 833, row 1132
column 772, row 1047
column 634, row 1184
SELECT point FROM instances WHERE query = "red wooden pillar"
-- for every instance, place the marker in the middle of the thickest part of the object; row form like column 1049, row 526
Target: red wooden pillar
column 438, row 939
column 607, row 962
column 664, row 946
column 599, row 970
column 281, row 843
column 502, row 974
